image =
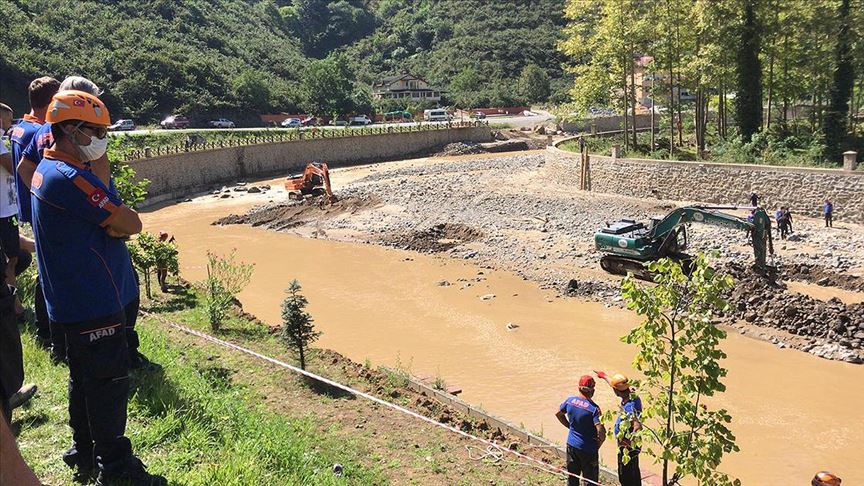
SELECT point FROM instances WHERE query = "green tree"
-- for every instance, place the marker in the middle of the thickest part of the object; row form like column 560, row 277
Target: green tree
column 679, row 355
column 748, row 100
column 298, row 330
column 465, row 88
column 148, row 253
column 533, row 84
column 327, row 87
column 251, row 89
column 226, row 278
column 835, row 124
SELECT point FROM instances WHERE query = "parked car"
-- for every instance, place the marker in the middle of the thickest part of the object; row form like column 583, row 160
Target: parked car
column 175, row 121
column 339, row 122
column 310, row 121
column 436, row 115
column 359, row 120
column 480, row 115
column 398, row 116
column 122, row 125
column 291, row 123
column 221, row 123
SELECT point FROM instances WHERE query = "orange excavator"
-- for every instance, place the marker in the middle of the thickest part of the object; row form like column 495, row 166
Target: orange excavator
column 314, row 181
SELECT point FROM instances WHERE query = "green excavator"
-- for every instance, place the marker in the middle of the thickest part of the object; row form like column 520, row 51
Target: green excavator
column 628, row 245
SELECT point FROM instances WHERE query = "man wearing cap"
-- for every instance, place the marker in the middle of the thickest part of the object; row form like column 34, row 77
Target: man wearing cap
column 582, row 416
column 86, row 272
column 631, row 406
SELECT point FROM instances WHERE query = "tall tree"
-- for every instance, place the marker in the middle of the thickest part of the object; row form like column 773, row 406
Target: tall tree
column 533, row 84
column 328, row 87
column 680, row 356
column 835, row 122
column 748, row 100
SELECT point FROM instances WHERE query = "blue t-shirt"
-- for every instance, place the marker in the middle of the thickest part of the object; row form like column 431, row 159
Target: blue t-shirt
column 631, row 409
column 86, row 274
column 829, row 208
column 22, row 134
column 583, row 415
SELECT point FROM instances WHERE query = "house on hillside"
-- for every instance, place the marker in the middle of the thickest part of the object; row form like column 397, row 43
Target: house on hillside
column 404, row 86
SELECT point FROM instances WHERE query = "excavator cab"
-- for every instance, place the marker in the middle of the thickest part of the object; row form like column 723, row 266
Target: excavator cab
column 314, row 181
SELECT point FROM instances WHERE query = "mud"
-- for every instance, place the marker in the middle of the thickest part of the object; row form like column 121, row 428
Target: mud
column 289, row 214
column 439, row 238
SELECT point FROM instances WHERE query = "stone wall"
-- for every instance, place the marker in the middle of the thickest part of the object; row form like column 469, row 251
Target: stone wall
column 605, row 124
column 177, row 175
column 803, row 190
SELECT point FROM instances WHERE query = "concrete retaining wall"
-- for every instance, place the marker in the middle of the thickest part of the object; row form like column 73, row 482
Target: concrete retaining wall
column 803, row 190
column 177, row 175
column 606, row 123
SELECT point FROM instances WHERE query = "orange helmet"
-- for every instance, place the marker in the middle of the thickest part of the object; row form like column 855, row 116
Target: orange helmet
column 619, row 382
column 825, row 478
column 77, row 105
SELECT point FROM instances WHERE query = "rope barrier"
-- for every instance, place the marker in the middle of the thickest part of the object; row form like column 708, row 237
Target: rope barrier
column 491, row 445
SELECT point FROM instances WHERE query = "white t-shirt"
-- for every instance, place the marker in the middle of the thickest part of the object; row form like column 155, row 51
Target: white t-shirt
column 8, row 195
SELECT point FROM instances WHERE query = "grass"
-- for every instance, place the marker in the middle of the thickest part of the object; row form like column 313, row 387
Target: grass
column 217, row 416
column 192, row 424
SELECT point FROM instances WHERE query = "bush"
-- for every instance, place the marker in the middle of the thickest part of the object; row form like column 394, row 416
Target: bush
column 225, row 279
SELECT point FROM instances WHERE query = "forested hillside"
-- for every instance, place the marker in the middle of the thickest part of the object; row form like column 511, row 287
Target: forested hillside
column 239, row 58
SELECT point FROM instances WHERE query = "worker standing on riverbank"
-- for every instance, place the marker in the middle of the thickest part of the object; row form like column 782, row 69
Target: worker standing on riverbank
column 79, row 225
column 629, row 474
column 828, row 212
column 582, row 416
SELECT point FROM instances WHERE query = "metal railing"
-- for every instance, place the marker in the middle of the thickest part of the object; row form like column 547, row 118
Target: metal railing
column 194, row 142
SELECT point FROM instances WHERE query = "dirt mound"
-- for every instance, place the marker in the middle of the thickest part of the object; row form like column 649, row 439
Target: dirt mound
column 439, row 238
column 822, row 276
column 764, row 300
column 289, row 214
column 460, row 148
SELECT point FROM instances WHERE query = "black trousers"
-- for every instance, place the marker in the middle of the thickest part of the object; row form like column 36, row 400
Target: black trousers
column 829, row 220
column 585, row 464
column 58, row 336
column 99, row 391
column 629, row 474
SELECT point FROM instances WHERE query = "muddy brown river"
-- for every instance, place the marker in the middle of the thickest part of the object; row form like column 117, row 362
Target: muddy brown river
column 793, row 413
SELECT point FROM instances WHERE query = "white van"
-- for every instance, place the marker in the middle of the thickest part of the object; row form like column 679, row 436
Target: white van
column 436, row 115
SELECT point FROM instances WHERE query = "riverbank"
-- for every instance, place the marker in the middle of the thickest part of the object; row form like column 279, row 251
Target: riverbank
column 214, row 415
column 513, row 213
column 385, row 305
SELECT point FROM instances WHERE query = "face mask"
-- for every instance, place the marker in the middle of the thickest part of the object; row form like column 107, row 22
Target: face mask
column 95, row 150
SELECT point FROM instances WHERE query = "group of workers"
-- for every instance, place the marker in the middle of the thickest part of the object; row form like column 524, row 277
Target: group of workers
column 582, row 416
column 783, row 216
column 56, row 179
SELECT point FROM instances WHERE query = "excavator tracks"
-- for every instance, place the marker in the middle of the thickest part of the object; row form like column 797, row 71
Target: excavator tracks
column 618, row 265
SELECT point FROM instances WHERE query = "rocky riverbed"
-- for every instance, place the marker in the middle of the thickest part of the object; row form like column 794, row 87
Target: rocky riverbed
column 509, row 212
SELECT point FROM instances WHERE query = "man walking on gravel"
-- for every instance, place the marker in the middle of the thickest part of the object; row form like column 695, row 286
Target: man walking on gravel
column 828, row 211
column 582, row 416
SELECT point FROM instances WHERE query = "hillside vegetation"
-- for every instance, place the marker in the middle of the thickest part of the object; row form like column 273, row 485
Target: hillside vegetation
column 238, row 58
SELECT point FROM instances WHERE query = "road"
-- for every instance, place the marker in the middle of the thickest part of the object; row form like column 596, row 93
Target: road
column 514, row 121
column 255, row 129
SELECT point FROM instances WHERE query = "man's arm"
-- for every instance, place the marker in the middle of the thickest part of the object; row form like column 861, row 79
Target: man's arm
column 562, row 417
column 601, row 433
column 26, row 169
column 13, row 469
column 6, row 162
column 125, row 222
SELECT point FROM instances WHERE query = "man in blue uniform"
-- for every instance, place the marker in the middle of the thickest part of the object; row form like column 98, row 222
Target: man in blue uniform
column 626, row 425
column 86, row 273
column 40, row 92
column 582, row 416
column 31, row 157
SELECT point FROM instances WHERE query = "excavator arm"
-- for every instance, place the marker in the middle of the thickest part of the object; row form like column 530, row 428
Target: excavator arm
column 759, row 229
